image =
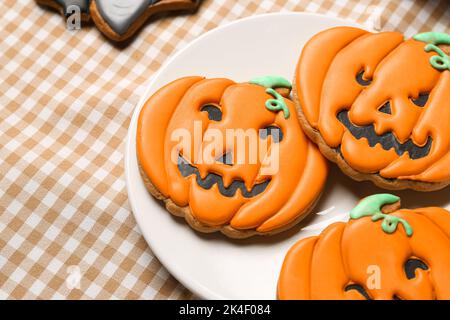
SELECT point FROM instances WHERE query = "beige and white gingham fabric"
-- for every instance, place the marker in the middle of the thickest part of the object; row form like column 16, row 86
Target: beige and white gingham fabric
column 66, row 98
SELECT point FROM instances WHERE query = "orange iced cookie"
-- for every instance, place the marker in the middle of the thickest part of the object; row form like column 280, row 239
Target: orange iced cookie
column 378, row 105
column 383, row 252
column 228, row 156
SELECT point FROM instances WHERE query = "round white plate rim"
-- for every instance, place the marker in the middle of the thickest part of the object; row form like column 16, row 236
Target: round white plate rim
column 191, row 284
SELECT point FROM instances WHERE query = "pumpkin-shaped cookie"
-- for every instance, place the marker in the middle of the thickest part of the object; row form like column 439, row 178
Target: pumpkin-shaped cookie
column 379, row 105
column 383, row 252
column 216, row 180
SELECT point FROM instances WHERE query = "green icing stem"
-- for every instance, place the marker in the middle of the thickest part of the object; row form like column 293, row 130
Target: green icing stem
column 278, row 103
column 440, row 62
column 371, row 206
column 433, row 39
column 272, row 82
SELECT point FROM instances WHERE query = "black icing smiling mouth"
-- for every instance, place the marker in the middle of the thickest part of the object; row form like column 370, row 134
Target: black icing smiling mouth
column 186, row 170
column 387, row 140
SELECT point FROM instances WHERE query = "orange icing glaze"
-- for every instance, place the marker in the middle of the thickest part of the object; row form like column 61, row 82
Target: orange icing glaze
column 343, row 254
column 435, row 122
column 316, row 72
column 177, row 107
column 336, row 97
column 153, row 122
column 399, row 71
column 437, row 172
column 303, row 190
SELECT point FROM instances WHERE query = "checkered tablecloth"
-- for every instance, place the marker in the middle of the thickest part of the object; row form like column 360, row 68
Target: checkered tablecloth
column 66, row 98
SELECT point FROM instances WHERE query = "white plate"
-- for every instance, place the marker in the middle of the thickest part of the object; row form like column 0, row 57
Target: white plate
column 213, row 266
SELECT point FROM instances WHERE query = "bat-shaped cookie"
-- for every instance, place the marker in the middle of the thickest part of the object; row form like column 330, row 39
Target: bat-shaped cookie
column 120, row 19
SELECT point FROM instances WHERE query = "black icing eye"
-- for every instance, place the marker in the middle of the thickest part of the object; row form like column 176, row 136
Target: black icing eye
column 422, row 100
column 360, row 79
column 275, row 132
column 214, row 112
column 386, row 108
column 358, row 288
column 411, row 265
column 226, row 158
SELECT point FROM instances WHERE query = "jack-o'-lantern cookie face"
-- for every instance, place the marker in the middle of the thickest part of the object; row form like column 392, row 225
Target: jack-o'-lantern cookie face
column 383, row 252
column 378, row 105
column 229, row 156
